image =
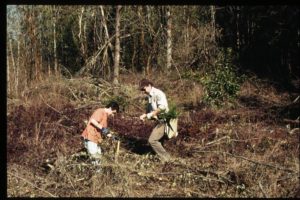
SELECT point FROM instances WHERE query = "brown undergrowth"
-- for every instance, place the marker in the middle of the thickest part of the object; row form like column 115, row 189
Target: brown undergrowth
column 242, row 151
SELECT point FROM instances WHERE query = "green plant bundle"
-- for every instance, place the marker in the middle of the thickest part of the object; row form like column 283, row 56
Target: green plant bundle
column 171, row 114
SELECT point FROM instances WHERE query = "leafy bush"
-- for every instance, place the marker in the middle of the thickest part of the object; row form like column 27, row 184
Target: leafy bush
column 121, row 100
column 222, row 82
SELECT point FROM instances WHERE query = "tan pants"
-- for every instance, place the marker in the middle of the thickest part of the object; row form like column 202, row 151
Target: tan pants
column 156, row 134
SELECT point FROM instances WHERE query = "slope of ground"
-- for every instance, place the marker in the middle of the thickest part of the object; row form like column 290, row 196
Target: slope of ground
column 251, row 150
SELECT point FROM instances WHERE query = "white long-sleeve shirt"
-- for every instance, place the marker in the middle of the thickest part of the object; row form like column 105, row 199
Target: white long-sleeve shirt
column 157, row 99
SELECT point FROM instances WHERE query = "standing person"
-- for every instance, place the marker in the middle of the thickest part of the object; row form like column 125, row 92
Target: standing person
column 157, row 104
column 96, row 128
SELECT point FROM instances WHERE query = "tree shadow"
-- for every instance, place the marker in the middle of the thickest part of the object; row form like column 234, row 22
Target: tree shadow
column 290, row 111
column 187, row 106
column 251, row 101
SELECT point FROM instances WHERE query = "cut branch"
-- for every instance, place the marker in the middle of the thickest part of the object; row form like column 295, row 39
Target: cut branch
column 253, row 161
column 265, row 164
column 32, row 184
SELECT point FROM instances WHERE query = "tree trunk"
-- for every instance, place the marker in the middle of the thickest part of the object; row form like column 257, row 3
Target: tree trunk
column 94, row 30
column 133, row 55
column 106, row 30
column 18, row 68
column 37, row 56
column 213, row 21
column 169, row 38
column 49, row 68
column 56, row 70
column 12, row 60
column 148, row 15
column 107, row 38
column 238, row 42
column 151, row 50
column 140, row 14
column 8, row 69
column 141, row 50
column 34, row 43
column 117, row 47
column 186, row 36
column 81, row 34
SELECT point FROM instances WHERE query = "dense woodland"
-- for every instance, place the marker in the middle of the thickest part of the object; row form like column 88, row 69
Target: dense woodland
column 230, row 74
column 104, row 41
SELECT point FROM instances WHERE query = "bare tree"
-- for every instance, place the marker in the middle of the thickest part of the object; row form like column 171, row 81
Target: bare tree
column 82, row 33
column 213, row 21
column 12, row 55
column 13, row 58
column 107, row 38
column 17, row 68
column 56, row 70
column 117, row 47
column 238, row 41
column 169, row 38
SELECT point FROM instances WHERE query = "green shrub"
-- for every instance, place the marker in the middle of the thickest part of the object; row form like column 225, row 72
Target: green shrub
column 221, row 83
column 121, row 100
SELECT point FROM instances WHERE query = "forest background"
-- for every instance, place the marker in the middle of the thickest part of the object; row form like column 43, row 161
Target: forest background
column 232, row 72
column 105, row 40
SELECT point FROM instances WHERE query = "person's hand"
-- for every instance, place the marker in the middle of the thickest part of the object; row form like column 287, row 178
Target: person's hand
column 105, row 131
column 99, row 140
column 150, row 115
column 109, row 135
column 143, row 116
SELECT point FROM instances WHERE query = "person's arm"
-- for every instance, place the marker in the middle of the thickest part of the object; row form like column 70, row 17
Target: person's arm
column 153, row 113
column 96, row 124
column 150, row 114
column 105, row 131
column 161, row 105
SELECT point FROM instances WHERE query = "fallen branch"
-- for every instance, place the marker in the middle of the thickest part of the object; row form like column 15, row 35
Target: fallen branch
column 265, row 164
column 293, row 131
column 73, row 94
column 141, row 109
column 253, row 161
column 176, row 174
column 50, row 106
column 32, row 184
column 70, row 180
column 55, row 109
column 66, row 127
column 218, row 140
column 262, row 190
column 87, row 105
column 295, row 100
column 297, row 122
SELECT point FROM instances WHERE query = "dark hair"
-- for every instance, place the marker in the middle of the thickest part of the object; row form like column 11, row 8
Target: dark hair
column 113, row 105
column 144, row 82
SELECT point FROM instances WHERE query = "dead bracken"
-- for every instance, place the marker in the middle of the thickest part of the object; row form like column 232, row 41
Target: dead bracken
column 228, row 153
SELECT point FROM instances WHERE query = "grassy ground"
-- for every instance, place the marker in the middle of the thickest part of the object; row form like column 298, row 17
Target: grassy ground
column 247, row 149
